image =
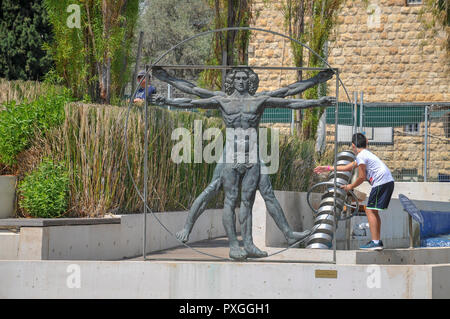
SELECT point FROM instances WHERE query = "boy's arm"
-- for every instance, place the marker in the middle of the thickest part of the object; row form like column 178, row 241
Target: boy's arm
column 361, row 178
column 341, row 168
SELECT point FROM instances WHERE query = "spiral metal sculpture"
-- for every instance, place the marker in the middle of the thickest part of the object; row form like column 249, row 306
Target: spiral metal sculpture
column 330, row 211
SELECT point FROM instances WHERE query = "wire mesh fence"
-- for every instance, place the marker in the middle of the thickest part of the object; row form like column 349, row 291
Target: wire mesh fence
column 413, row 139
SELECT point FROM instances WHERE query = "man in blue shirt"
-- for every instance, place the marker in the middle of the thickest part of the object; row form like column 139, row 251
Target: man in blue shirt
column 140, row 94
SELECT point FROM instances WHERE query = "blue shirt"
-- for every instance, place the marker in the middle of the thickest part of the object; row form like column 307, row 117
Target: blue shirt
column 140, row 94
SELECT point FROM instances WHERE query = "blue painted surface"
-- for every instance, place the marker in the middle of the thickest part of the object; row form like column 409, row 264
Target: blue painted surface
column 440, row 241
column 434, row 225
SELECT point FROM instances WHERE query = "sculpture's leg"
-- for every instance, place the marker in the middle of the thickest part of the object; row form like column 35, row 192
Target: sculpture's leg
column 230, row 180
column 276, row 212
column 248, row 192
column 200, row 203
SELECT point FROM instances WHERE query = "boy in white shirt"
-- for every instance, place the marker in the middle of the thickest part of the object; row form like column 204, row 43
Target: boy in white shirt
column 372, row 169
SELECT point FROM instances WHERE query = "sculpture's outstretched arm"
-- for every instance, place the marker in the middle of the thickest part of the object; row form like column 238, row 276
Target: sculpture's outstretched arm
column 296, row 104
column 300, row 86
column 186, row 103
column 183, row 85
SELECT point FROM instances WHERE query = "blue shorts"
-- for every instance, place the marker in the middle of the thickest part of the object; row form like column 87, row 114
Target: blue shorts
column 380, row 196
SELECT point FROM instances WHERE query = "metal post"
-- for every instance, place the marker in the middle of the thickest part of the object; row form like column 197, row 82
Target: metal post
column 355, row 112
column 335, row 161
column 354, row 130
column 292, row 121
column 136, row 67
column 425, row 168
column 169, row 93
column 348, row 233
column 144, row 237
column 411, row 241
column 224, row 71
column 361, row 111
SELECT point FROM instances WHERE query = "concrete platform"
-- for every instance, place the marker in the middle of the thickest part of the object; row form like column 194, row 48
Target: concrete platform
column 218, row 247
column 181, row 272
column 90, row 261
column 219, row 280
column 46, row 222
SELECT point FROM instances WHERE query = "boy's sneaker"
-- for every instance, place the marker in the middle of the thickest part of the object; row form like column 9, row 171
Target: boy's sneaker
column 372, row 246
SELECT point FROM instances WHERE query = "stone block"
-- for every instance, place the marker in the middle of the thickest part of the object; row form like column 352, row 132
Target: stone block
column 32, row 245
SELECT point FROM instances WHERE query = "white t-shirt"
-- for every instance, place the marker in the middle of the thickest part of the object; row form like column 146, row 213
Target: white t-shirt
column 377, row 172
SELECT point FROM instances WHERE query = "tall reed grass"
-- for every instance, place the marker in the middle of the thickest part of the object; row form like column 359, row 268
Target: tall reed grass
column 21, row 91
column 91, row 143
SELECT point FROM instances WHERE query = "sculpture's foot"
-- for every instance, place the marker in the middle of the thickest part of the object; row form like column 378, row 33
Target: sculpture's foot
column 237, row 253
column 183, row 235
column 294, row 237
column 255, row 252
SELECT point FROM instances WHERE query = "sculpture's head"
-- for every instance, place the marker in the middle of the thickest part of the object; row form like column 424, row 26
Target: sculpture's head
column 241, row 79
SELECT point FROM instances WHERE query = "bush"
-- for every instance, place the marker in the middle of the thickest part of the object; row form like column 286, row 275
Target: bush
column 44, row 192
column 91, row 143
column 19, row 122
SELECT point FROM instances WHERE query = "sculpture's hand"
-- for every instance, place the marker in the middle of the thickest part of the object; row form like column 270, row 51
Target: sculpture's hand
column 324, row 76
column 160, row 73
column 160, row 100
column 327, row 101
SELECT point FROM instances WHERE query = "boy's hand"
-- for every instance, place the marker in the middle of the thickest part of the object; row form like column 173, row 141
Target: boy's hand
column 322, row 169
column 347, row 187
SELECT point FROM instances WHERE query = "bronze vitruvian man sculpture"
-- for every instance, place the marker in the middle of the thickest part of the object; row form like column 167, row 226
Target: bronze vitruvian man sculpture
column 242, row 171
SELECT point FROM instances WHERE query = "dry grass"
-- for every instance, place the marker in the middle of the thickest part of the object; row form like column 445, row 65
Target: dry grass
column 20, row 91
column 91, row 142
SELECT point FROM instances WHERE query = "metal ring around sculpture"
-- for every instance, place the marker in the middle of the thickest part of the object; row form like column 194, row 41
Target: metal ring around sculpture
column 330, row 201
column 140, row 195
column 346, row 155
column 318, row 246
column 342, row 162
column 354, row 208
column 241, row 29
column 340, row 174
column 349, row 206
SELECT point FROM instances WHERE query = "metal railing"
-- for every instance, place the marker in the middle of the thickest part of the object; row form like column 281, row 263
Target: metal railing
column 413, row 139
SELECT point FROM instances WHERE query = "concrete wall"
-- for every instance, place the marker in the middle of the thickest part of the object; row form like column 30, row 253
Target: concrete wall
column 124, row 240
column 139, row 279
column 394, row 230
column 105, row 241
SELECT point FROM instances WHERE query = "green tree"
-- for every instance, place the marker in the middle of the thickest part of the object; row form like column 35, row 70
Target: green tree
column 227, row 14
column 93, row 58
column 435, row 16
column 166, row 23
column 310, row 22
column 24, row 28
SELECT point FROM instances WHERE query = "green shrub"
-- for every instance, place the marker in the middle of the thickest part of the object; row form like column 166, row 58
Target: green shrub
column 19, row 122
column 91, row 143
column 16, row 130
column 44, row 192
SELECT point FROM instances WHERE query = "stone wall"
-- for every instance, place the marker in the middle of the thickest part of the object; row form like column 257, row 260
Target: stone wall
column 407, row 153
column 379, row 46
column 266, row 49
column 381, row 49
